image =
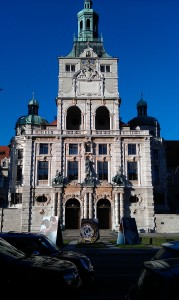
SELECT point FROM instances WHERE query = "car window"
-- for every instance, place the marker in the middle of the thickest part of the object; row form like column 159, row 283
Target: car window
column 23, row 243
column 8, row 252
column 33, row 244
column 164, row 253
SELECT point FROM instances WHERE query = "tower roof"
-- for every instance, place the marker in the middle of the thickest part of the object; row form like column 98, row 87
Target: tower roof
column 32, row 117
column 88, row 34
column 142, row 118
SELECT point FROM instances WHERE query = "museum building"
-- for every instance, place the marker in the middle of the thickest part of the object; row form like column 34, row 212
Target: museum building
column 87, row 163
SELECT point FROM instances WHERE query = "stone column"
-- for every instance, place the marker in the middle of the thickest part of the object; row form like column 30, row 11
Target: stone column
column 55, row 199
column 90, row 206
column 116, row 209
column 59, row 206
column 121, row 205
column 86, row 206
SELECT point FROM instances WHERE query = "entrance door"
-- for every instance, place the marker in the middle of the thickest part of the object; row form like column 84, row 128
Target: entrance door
column 104, row 214
column 72, row 214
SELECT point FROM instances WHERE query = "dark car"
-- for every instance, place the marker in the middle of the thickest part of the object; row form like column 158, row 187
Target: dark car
column 40, row 244
column 36, row 275
column 158, row 280
column 167, row 250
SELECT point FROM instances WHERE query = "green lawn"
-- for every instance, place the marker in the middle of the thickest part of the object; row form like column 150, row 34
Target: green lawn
column 145, row 242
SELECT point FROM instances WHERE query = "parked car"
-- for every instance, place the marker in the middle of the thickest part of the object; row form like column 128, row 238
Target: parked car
column 40, row 244
column 167, row 250
column 36, row 275
column 158, row 280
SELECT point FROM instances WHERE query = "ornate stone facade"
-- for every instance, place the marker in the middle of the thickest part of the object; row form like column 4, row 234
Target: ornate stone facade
column 88, row 146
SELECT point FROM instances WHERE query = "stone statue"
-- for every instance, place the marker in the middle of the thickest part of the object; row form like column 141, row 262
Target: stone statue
column 88, row 168
column 118, row 179
column 58, row 178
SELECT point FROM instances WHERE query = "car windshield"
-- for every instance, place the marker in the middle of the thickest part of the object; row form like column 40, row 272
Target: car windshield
column 8, row 252
column 33, row 244
column 48, row 244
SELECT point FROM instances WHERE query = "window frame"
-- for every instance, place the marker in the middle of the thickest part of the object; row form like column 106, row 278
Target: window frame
column 72, row 170
column 102, row 149
column 42, row 171
column 102, row 170
column 105, row 68
column 43, row 148
column 73, row 149
column 132, row 172
column 69, row 67
column 132, row 149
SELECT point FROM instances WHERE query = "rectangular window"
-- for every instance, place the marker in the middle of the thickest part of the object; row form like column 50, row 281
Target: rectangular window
column 108, row 69
column 102, row 68
column 73, row 170
column 131, row 149
column 102, row 149
column 16, row 198
column 73, row 149
column 105, row 68
column 69, row 68
column 132, row 170
column 88, row 147
column 42, row 170
column 73, row 68
column 43, row 149
column 102, row 170
column 19, row 173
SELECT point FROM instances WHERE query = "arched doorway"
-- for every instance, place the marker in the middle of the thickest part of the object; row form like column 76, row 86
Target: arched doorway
column 72, row 214
column 104, row 214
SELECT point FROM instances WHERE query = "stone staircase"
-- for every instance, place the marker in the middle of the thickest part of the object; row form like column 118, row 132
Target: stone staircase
column 106, row 235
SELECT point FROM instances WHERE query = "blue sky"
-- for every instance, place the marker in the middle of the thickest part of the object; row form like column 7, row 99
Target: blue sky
column 143, row 34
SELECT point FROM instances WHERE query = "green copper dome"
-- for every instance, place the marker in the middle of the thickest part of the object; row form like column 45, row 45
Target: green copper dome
column 32, row 118
column 143, row 120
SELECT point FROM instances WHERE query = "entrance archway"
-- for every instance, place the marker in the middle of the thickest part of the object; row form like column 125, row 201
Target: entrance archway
column 72, row 214
column 104, row 214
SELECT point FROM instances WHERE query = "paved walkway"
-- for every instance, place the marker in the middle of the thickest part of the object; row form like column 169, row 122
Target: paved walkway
column 106, row 236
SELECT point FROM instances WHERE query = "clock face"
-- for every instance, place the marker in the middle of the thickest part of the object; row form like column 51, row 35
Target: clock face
column 88, row 63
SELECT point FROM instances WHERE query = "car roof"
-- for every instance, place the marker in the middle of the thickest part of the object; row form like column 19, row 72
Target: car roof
column 22, row 234
column 170, row 266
